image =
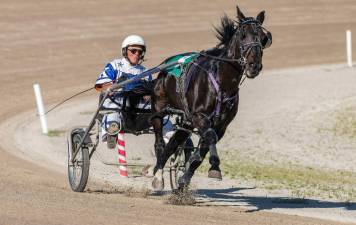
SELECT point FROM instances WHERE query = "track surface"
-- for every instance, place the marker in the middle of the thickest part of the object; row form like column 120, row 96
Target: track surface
column 64, row 45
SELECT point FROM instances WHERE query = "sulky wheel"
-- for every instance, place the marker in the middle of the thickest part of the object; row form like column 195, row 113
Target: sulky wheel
column 178, row 163
column 78, row 169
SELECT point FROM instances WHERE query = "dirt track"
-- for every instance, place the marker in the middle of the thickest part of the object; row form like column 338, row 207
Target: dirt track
column 63, row 46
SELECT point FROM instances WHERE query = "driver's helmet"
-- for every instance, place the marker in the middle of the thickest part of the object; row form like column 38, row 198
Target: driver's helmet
column 133, row 40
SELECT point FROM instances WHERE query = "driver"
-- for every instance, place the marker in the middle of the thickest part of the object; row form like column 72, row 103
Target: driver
column 133, row 51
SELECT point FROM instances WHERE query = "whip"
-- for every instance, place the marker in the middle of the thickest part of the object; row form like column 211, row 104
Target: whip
column 68, row 99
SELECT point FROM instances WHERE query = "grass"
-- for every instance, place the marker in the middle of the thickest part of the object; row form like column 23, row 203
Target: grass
column 135, row 170
column 300, row 181
column 55, row 133
column 344, row 124
column 87, row 113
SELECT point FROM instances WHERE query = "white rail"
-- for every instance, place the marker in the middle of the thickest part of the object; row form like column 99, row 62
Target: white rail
column 40, row 108
column 349, row 48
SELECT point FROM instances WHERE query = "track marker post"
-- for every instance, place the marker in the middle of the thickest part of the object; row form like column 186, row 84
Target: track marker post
column 122, row 154
column 349, row 48
column 40, row 108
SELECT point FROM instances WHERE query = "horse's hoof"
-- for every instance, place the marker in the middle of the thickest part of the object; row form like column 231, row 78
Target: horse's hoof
column 183, row 188
column 157, row 184
column 215, row 174
column 183, row 182
column 147, row 171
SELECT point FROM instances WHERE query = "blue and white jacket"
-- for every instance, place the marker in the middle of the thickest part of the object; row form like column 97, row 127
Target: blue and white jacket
column 121, row 68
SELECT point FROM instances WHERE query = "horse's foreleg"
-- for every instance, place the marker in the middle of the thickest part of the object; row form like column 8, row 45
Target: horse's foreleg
column 214, row 171
column 211, row 138
column 193, row 163
column 158, row 182
column 208, row 143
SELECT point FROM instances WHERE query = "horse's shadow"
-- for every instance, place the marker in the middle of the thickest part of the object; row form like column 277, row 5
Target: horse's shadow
column 234, row 197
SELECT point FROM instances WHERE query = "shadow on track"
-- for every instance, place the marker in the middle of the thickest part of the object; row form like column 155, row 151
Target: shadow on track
column 234, row 197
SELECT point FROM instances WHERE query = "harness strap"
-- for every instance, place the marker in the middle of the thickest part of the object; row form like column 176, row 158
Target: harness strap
column 218, row 92
column 241, row 61
column 188, row 75
column 216, row 86
column 181, row 88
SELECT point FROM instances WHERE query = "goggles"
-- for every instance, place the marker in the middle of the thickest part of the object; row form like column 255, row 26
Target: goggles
column 135, row 50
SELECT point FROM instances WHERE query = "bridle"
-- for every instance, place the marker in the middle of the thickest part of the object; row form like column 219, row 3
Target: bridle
column 245, row 48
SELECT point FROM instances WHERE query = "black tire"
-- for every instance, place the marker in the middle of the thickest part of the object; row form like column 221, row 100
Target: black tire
column 178, row 170
column 78, row 172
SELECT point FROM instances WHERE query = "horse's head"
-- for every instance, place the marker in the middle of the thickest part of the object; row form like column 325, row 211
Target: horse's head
column 248, row 42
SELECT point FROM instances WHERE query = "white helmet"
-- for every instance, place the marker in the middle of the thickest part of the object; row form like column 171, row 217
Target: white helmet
column 133, row 40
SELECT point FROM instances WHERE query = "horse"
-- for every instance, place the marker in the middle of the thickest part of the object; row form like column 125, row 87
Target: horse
column 208, row 93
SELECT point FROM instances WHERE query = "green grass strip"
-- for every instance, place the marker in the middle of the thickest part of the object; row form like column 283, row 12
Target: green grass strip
column 301, row 181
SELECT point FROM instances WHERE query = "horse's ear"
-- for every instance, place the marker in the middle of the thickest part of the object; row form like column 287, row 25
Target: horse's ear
column 240, row 15
column 261, row 17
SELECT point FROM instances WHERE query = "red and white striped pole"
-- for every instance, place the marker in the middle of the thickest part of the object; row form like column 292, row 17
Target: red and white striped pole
column 122, row 155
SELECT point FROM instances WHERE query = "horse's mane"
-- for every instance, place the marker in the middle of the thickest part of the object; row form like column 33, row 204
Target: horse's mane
column 225, row 32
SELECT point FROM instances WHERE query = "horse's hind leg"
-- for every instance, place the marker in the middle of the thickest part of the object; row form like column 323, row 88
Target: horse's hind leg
column 158, row 182
column 179, row 137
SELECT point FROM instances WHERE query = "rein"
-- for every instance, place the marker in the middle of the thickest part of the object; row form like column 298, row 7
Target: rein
column 241, row 61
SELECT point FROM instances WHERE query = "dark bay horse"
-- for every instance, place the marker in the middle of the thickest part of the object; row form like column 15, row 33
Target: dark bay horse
column 208, row 93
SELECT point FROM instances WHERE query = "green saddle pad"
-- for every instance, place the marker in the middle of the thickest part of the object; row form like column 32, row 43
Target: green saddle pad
column 184, row 59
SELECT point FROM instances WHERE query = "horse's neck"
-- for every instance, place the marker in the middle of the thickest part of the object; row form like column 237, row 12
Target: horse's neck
column 230, row 76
